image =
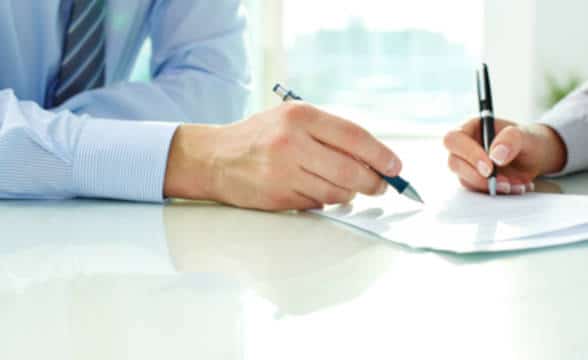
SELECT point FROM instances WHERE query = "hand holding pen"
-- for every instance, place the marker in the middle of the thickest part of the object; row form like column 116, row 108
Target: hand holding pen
column 486, row 119
column 496, row 156
column 292, row 157
column 402, row 186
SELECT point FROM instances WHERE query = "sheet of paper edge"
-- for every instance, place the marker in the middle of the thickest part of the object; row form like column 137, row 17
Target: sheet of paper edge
column 546, row 241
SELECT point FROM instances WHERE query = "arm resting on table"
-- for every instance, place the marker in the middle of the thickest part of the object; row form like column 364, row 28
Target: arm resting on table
column 46, row 155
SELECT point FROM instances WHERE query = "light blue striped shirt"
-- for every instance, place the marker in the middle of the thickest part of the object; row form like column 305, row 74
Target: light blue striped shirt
column 113, row 142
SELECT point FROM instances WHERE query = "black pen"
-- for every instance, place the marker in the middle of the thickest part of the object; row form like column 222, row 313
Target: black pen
column 402, row 186
column 487, row 118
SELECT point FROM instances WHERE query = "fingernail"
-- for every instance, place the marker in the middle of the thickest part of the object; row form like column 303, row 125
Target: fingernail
column 484, row 169
column 499, row 154
column 530, row 187
column 519, row 189
column 383, row 188
column 392, row 168
column 503, row 188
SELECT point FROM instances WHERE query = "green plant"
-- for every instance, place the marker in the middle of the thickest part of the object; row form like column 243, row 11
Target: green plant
column 557, row 90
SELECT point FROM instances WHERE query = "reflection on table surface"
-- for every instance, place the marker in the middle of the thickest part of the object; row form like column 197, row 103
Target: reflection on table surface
column 113, row 277
column 110, row 280
column 298, row 262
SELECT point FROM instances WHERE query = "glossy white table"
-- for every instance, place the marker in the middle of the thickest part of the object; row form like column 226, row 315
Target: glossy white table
column 112, row 280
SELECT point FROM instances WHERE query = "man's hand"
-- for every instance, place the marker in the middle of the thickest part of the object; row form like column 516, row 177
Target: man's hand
column 292, row 157
column 521, row 153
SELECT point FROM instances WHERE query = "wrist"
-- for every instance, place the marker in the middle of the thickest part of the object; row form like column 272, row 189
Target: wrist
column 190, row 170
column 554, row 150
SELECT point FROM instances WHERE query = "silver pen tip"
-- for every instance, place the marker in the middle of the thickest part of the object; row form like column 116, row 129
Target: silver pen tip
column 492, row 186
column 412, row 194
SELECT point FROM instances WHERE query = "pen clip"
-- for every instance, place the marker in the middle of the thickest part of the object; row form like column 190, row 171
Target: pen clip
column 484, row 90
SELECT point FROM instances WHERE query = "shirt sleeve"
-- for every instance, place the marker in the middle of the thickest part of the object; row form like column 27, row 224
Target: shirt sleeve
column 570, row 119
column 48, row 155
column 199, row 68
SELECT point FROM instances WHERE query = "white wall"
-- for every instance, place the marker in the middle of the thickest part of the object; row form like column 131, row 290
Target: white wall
column 562, row 45
column 525, row 40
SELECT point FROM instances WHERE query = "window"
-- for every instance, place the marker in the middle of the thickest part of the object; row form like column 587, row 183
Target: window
column 395, row 67
column 142, row 71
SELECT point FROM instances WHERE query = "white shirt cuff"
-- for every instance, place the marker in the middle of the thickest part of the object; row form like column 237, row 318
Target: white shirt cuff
column 570, row 119
column 124, row 160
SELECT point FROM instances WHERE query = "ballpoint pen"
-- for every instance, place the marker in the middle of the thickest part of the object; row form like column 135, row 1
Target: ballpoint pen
column 486, row 118
column 402, row 186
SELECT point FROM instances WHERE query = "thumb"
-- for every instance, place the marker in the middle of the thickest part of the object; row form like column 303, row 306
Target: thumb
column 506, row 146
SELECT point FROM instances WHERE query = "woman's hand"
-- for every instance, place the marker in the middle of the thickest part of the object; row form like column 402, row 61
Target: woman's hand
column 521, row 153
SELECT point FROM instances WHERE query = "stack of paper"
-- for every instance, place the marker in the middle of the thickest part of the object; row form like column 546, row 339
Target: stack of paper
column 465, row 222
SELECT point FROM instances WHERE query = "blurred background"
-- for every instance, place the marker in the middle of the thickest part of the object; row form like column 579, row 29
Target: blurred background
column 406, row 68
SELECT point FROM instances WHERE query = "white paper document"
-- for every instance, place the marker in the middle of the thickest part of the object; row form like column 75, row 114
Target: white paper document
column 465, row 222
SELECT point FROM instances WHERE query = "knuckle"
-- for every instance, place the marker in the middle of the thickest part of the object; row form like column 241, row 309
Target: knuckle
column 270, row 175
column 279, row 141
column 294, row 113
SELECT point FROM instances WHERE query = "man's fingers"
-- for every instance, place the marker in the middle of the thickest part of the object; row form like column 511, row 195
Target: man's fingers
column 506, row 146
column 301, row 202
column 463, row 146
column 320, row 190
column 291, row 201
column 341, row 169
column 348, row 137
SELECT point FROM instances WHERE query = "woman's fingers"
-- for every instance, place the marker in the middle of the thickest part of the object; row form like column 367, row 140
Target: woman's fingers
column 465, row 147
column 470, row 178
column 466, row 172
column 507, row 146
column 471, row 163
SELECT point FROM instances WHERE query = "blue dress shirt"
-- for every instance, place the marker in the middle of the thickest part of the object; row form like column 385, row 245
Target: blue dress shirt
column 113, row 142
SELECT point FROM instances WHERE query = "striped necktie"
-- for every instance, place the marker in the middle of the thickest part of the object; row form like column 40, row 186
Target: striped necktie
column 83, row 62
